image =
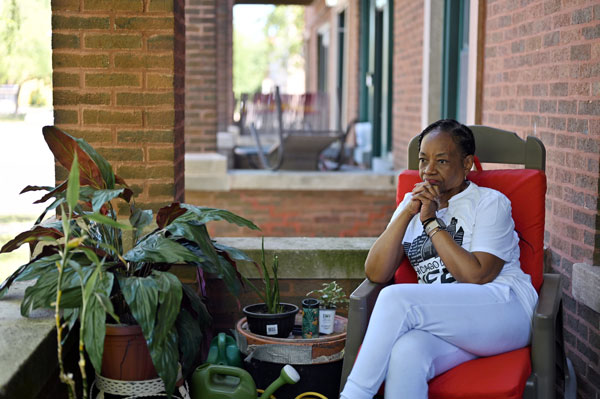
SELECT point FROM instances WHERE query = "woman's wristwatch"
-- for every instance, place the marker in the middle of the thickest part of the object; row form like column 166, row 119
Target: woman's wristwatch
column 436, row 224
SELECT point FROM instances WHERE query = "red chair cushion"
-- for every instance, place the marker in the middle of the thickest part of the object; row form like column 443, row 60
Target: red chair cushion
column 501, row 376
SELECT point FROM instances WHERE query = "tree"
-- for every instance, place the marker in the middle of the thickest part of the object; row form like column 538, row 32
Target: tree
column 25, row 40
column 284, row 31
column 250, row 65
column 277, row 45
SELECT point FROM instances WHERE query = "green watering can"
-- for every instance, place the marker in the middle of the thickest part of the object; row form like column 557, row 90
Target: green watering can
column 211, row 381
column 224, row 351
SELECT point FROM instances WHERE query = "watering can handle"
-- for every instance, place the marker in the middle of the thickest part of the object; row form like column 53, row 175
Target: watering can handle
column 221, row 342
column 226, row 370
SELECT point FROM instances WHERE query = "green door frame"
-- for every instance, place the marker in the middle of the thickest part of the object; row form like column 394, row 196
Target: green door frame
column 454, row 26
column 341, row 59
column 363, row 60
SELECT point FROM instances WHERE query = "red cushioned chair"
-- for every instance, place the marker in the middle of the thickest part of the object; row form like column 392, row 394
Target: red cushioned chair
column 528, row 372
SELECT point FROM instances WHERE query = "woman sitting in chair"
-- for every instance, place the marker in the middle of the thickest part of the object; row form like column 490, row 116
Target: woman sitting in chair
column 472, row 299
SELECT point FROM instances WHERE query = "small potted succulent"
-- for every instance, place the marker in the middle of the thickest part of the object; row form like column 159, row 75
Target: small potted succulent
column 331, row 296
column 271, row 317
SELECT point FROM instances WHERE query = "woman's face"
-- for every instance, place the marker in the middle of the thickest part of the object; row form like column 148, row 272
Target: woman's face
column 441, row 163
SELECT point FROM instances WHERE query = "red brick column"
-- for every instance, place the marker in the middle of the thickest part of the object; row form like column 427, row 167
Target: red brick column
column 118, row 83
column 209, row 76
column 542, row 78
column 224, row 42
column 408, row 74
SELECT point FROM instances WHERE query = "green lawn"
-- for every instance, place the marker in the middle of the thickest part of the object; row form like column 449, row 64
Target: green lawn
column 12, row 118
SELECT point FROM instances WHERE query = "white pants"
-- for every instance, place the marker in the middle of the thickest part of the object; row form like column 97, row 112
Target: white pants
column 418, row 331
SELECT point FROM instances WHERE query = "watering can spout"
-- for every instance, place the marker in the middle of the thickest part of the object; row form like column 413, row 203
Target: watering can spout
column 288, row 375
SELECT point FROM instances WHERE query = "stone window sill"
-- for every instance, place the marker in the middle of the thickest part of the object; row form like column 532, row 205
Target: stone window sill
column 208, row 172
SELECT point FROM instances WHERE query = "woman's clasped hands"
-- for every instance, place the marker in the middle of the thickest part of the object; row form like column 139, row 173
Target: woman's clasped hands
column 426, row 200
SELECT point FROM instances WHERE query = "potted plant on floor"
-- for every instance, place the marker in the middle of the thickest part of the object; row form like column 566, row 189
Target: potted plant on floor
column 271, row 317
column 330, row 296
column 84, row 269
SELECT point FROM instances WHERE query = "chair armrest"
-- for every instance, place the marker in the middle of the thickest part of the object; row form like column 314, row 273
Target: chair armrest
column 543, row 343
column 361, row 305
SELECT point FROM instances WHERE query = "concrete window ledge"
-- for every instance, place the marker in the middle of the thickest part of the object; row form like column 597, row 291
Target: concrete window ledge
column 208, row 172
column 28, row 365
column 311, row 257
column 305, row 258
column 585, row 283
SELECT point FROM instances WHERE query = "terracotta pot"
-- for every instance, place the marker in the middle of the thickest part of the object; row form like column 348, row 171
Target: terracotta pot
column 126, row 356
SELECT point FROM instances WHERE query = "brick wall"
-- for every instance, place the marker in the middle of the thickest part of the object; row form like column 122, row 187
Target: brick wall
column 209, row 72
column 407, row 84
column 203, row 43
column 315, row 16
column 118, row 71
column 542, row 78
column 224, row 44
column 301, row 213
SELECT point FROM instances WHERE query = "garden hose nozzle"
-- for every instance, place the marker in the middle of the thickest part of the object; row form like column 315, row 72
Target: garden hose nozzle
column 288, row 375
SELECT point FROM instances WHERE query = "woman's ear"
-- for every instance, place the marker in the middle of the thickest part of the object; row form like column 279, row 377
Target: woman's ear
column 468, row 163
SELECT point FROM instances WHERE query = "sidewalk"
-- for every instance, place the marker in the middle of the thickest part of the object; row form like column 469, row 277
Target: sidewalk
column 24, row 160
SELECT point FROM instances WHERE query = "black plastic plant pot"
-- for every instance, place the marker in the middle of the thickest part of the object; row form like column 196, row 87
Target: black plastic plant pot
column 278, row 325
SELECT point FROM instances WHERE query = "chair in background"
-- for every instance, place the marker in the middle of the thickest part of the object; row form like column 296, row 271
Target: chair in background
column 529, row 372
column 290, row 132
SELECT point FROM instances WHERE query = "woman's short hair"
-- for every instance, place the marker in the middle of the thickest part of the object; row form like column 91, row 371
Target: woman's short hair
column 461, row 134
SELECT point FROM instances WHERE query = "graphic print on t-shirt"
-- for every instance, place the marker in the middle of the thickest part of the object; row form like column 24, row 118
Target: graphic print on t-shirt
column 425, row 259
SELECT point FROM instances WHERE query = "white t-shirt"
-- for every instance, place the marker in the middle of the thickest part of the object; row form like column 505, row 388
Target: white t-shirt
column 479, row 219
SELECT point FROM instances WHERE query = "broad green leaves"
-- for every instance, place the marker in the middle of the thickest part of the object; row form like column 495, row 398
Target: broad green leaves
column 155, row 302
column 73, row 185
column 139, row 219
column 96, row 217
column 96, row 292
column 100, row 197
column 205, row 215
column 156, row 248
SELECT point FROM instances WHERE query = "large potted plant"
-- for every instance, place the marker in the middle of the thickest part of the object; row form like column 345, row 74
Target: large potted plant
column 271, row 317
column 85, row 269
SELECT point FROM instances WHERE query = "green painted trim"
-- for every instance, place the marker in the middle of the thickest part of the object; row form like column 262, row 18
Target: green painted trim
column 363, row 62
column 390, row 66
column 452, row 22
column 378, row 47
column 342, row 37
